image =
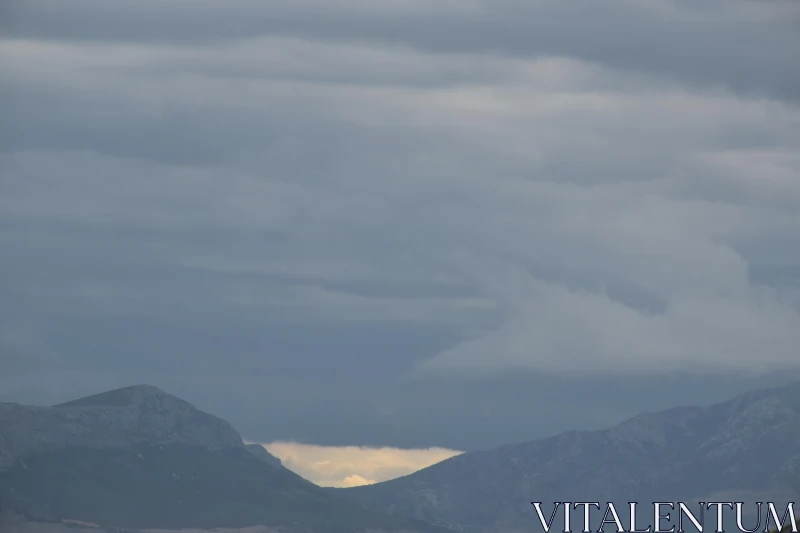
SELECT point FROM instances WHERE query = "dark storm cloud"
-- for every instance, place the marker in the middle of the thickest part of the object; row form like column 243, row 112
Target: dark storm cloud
column 399, row 223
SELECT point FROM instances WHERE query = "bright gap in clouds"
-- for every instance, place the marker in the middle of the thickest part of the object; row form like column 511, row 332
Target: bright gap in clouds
column 351, row 466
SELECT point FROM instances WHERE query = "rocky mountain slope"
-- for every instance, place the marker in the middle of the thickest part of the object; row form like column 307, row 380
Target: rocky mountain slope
column 123, row 418
column 744, row 449
column 137, row 458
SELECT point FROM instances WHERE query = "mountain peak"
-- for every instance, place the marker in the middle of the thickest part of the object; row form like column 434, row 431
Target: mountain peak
column 131, row 395
column 126, row 418
column 138, row 458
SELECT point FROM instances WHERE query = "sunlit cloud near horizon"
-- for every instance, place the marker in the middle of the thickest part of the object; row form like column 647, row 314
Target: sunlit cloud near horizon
column 352, row 466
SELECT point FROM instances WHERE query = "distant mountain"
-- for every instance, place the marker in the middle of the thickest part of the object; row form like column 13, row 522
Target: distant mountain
column 138, row 458
column 744, row 449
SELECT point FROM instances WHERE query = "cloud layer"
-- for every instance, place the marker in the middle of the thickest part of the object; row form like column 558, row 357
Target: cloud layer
column 402, row 201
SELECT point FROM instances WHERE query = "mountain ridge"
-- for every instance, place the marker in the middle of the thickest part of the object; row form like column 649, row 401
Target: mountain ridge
column 138, row 458
column 121, row 418
column 749, row 443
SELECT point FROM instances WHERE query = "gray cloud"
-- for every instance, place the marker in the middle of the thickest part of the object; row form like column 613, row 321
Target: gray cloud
column 400, row 224
column 741, row 45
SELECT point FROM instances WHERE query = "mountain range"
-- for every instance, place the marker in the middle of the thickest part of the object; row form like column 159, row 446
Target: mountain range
column 745, row 449
column 139, row 459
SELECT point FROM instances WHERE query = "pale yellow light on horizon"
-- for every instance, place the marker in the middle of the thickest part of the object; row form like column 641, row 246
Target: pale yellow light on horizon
column 352, row 466
column 355, row 481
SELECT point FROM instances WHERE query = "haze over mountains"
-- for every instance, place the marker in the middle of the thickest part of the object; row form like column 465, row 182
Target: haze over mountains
column 138, row 458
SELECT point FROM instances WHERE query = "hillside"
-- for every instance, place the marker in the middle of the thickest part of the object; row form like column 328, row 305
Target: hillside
column 260, row 452
column 139, row 458
column 743, row 449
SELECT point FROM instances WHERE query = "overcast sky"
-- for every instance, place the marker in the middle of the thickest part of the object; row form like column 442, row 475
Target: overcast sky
column 409, row 223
